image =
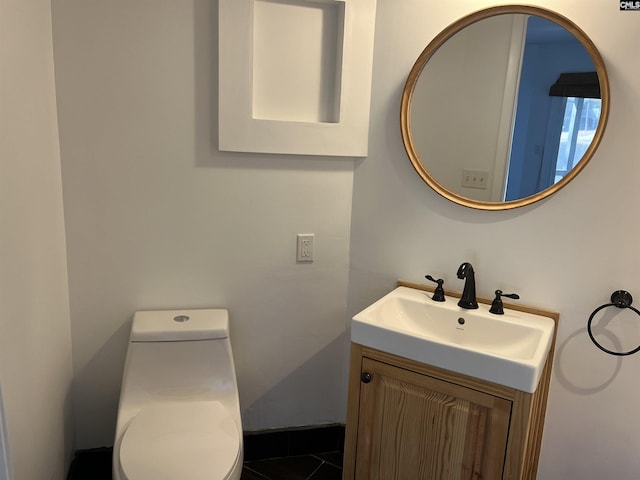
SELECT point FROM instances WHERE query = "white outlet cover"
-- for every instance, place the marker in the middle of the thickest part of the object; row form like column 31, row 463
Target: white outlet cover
column 304, row 247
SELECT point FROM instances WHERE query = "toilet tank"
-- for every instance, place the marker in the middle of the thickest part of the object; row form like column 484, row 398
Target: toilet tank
column 178, row 355
column 179, row 325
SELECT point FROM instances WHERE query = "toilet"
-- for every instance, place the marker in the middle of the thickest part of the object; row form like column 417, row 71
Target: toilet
column 179, row 414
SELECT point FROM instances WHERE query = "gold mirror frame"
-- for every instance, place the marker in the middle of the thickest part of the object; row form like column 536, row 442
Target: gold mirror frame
column 438, row 41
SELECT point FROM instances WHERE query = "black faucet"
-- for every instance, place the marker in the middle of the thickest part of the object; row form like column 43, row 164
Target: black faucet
column 497, row 306
column 468, row 299
column 438, row 293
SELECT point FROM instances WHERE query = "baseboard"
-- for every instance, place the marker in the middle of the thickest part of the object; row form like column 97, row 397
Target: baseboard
column 288, row 442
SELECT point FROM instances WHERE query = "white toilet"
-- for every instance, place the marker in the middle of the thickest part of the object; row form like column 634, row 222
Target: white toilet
column 179, row 415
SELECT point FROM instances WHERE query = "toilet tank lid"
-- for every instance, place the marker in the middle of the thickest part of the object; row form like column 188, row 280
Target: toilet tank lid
column 179, row 325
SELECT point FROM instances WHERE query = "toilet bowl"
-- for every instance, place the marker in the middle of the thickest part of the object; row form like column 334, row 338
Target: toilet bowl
column 179, row 414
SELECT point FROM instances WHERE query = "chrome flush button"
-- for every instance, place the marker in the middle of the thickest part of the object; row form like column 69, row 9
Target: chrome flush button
column 181, row 318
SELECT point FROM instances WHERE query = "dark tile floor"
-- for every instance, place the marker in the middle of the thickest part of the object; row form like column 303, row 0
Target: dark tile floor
column 298, row 454
column 319, row 466
column 294, row 454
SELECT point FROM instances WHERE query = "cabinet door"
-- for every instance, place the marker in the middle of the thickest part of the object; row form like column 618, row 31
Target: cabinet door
column 413, row 426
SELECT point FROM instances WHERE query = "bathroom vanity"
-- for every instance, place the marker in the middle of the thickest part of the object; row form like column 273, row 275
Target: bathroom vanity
column 408, row 419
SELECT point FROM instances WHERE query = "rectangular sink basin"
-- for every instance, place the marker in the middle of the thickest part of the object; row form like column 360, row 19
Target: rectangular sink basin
column 508, row 349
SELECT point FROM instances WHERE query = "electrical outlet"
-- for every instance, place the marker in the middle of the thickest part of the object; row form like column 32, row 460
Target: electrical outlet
column 475, row 178
column 304, row 250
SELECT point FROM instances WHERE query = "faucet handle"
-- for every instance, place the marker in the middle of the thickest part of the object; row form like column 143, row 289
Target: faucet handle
column 496, row 305
column 438, row 293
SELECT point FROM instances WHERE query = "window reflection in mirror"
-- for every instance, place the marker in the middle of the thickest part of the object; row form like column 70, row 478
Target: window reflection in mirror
column 579, row 123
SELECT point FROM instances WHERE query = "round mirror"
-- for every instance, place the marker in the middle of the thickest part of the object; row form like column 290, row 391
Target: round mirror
column 504, row 107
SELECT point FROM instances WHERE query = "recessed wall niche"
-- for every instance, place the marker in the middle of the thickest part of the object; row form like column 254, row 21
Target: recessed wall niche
column 295, row 76
column 297, row 80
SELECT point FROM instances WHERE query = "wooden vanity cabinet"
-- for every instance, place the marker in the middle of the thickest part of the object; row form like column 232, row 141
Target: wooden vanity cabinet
column 410, row 421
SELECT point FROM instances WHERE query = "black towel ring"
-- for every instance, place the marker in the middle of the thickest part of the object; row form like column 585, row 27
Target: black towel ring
column 619, row 299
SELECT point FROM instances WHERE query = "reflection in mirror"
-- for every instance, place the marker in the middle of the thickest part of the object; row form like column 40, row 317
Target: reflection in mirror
column 556, row 113
column 503, row 107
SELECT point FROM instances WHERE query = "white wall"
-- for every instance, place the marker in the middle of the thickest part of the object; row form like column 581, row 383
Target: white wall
column 35, row 342
column 157, row 217
column 567, row 253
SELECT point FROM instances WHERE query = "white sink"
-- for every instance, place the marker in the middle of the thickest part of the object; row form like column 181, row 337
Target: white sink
column 508, row 349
